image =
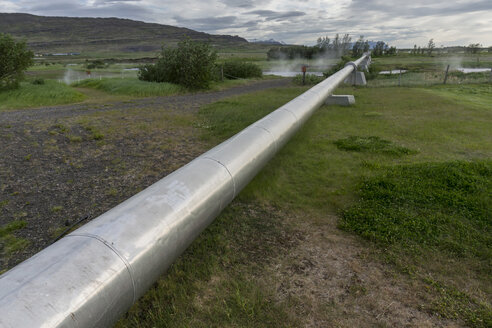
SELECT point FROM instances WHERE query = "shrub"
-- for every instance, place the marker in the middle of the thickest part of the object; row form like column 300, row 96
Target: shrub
column 243, row 70
column 37, row 81
column 373, row 72
column 338, row 66
column 14, row 60
column 191, row 65
column 310, row 79
column 95, row 64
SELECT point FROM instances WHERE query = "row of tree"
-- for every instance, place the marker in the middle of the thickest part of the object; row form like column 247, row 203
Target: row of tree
column 337, row 47
column 325, row 47
column 431, row 45
column 472, row 48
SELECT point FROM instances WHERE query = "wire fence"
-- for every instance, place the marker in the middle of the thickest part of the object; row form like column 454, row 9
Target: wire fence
column 429, row 78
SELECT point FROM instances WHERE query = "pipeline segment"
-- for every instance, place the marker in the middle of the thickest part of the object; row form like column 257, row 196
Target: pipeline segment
column 93, row 275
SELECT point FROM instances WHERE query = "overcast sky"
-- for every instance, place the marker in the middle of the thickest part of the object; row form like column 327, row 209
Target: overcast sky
column 402, row 23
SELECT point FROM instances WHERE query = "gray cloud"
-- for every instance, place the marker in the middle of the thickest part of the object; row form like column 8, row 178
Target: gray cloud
column 239, row 3
column 276, row 15
column 414, row 9
column 118, row 8
column 400, row 22
column 208, row 23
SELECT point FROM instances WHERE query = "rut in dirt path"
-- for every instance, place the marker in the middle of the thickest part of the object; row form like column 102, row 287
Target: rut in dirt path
column 187, row 102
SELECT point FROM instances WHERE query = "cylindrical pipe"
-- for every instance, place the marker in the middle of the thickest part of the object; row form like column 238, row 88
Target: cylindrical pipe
column 93, row 275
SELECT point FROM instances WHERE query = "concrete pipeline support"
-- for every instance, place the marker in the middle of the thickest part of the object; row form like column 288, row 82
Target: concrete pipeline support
column 93, row 275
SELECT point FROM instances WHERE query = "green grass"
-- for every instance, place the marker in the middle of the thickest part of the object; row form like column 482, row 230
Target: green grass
column 9, row 243
column 220, row 280
column 426, row 70
column 437, row 206
column 454, row 304
column 310, row 79
column 424, row 61
column 227, row 117
column 471, row 95
column 371, row 144
column 29, row 95
column 313, row 176
column 135, row 88
column 211, row 286
column 131, row 87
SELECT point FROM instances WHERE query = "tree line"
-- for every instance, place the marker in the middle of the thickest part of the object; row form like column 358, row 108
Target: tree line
column 325, row 47
column 472, row 48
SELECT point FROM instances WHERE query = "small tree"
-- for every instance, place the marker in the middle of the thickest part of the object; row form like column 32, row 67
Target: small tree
column 379, row 49
column 323, row 43
column 14, row 60
column 430, row 47
column 346, row 42
column 473, row 48
column 358, row 47
column 391, row 51
column 191, row 64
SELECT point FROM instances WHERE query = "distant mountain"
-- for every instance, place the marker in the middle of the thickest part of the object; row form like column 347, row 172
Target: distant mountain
column 77, row 34
column 271, row 42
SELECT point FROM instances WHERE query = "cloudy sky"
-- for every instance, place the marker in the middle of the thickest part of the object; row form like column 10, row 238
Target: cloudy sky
column 402, row 23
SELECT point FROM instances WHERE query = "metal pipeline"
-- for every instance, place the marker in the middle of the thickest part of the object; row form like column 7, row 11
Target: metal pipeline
column 93, row 275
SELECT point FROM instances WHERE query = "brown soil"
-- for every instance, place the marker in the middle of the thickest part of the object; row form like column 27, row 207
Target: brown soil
column 336, row 282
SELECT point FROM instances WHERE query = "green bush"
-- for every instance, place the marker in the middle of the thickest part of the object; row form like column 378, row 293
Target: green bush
column 338, row 66
column 373, row 72
column 95, row 64
column 14, row 60
column 191, row 65
column 242, row 70
column 310, row 79
column 37, row 81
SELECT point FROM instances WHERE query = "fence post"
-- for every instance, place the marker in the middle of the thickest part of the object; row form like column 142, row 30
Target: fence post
column 446, row 75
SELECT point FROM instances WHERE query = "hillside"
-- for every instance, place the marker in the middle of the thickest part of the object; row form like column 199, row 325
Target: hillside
column 76, row 34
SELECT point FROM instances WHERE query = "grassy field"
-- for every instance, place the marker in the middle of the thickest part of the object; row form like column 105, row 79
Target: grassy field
column 372, row 215
column 104, row 90
column 430, row 70
column 413, row 157
column 131, row 87
column 30, row 95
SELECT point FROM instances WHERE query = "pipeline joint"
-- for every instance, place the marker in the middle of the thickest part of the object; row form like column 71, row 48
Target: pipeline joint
column 351, row 63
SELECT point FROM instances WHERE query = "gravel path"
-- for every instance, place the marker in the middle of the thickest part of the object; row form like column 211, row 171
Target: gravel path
column 54, row 169
column 190, row 102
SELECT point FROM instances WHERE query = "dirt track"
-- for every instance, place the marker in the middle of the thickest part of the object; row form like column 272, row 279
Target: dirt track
column 54, row 169
column 188, row 102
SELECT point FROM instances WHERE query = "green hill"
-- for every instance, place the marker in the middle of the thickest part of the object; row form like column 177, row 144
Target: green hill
column 77, row 34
